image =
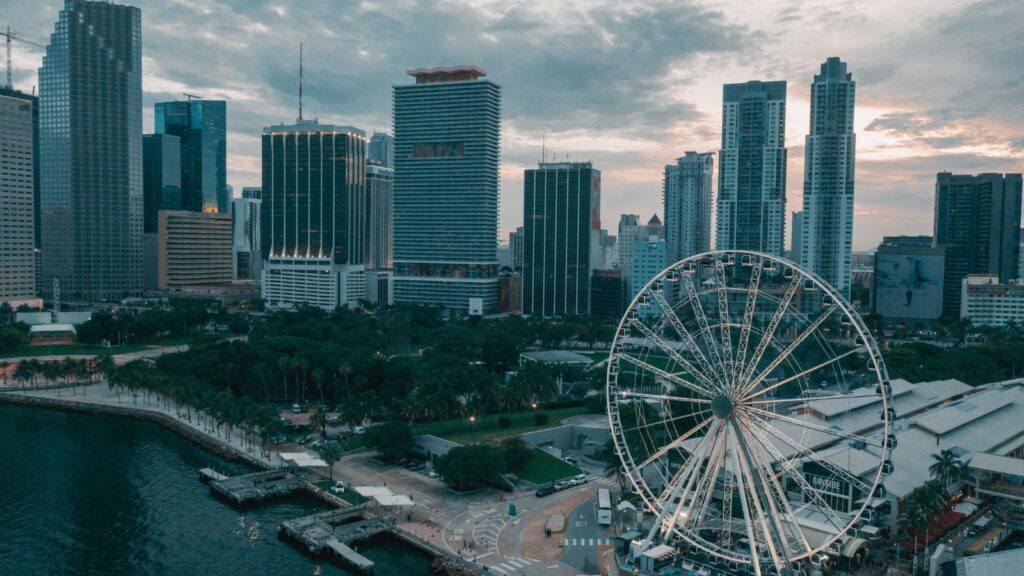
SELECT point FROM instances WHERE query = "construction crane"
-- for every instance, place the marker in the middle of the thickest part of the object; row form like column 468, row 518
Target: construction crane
column 191, row 96
column 12, row 36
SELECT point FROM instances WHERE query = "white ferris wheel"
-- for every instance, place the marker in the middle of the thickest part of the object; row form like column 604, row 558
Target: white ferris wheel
column 721, row 380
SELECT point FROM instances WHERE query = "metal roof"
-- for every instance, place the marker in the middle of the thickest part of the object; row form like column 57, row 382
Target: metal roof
column 557, row 357
column 999, row 464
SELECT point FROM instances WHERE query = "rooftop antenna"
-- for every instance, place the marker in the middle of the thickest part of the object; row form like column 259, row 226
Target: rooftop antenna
column 191, row 96
column 300, row 80
column 543, row 149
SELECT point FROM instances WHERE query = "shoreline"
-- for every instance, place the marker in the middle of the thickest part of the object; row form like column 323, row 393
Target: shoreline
column 213, row 445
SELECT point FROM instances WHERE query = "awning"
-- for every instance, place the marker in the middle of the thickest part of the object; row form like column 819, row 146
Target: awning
column 852, row 545
column 374, row 491
column 394, row 500
column 303, row 459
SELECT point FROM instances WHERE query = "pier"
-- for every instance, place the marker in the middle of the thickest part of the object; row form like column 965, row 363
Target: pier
column 336, row 530
column 258, row 486
column 208, row 475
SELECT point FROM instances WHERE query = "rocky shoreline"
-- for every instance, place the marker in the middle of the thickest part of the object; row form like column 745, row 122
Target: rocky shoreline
column 204, row 441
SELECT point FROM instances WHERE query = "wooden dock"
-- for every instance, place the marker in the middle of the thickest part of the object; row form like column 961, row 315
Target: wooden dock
column 258, row 486
column 336, row 530
column 208, row 475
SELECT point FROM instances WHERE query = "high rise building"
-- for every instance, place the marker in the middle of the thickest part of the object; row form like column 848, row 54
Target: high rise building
column 379, row 180
column 796, row 236
column 201, row 126
column 447, row 152
column 254, row 192
column 648, row 262
column 631, row 231
column 607, row 294
column 17, row 199
column 829, row 155
column 312, row 215
column 977, row 220
column 90, row 146
column 515, row 247
column 245, row 243
column 194, row 249
column 34, row 101
column 382, row 149
column 686, row 195
column 752, row 168
column 161, row 177
column 561, row 220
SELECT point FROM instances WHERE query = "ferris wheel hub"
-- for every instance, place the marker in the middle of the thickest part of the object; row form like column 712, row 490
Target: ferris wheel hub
column 721, row 406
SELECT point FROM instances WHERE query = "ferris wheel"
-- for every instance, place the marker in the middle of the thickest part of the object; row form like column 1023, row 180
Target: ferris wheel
column 738, row 386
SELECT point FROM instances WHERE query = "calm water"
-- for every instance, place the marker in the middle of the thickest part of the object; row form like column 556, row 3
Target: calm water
column 90, row 494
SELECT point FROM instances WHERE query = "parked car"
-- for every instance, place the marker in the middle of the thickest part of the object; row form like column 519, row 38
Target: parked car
column 578, row 480
column 561, row 485
column 338, row 488
column 545, row 491
column 296, row 409
column 432, row 474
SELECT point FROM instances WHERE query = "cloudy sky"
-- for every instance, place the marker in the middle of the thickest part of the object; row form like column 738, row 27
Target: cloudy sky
column 628, row 85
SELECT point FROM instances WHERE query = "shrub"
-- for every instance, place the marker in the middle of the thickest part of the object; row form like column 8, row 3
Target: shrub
column 504, row 421
column 540, row 418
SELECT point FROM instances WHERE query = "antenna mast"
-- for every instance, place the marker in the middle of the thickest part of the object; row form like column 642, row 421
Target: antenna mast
column 9, row 84
column 300, row 80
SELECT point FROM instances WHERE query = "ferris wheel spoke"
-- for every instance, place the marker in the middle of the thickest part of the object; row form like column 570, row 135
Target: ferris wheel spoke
column 677, row 488
column 755, row 497
column 810, row 426
column 799, row 375
column 807, row 399
column 808, row 331
column 750, row 307
column 776, row 496
column 698, row 412
column 769, row 333
column 676, row 356
column 664, row 397
column 755, row 553
column 702, row 322
column 684, row 334
column 675, row 378
column 724, row 322
column 704, row 491
column 805, row 452
column 674, row 444
column 795, row 475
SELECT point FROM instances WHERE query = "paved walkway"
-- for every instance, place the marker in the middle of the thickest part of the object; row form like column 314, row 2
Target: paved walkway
column 101, row 394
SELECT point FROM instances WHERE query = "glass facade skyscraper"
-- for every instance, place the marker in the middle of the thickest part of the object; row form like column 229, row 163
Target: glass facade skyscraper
column 312, row 214
column 90, row 146
column 447, row 152
column 977, row 220
column 561, row 220
column 201, row 125
column 161, row 177
column 827, row 230
column 752, row 168
column 382, row 149
column 379, row 180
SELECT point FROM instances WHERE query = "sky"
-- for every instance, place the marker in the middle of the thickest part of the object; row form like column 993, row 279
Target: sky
column 627, row 85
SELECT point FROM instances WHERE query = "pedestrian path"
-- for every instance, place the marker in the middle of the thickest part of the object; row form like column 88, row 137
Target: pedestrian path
column 588, row 542
column 513, row 565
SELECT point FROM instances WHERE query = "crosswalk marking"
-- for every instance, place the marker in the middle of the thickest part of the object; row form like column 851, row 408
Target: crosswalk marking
column 588, row 541
column 512, row 565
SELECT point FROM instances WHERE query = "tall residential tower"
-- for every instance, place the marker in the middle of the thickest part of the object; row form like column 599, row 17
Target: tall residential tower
column 686, row 193
column 752, row 168
column 827, row 231
column 90, row 146
column 17, row 199
column 447, row 152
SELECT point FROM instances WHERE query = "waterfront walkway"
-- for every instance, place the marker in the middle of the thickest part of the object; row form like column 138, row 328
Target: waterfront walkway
column 99, row 394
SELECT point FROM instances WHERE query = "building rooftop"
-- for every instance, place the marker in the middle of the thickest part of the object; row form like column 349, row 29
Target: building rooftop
column 557, row 357
column 306, row 125
column 441, row 74
column 999, row 464
column 51, row 328
column 991, row 564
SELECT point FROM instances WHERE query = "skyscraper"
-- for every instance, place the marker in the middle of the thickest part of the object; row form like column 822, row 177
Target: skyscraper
column 90, row 146
column 829, row 154
column 447, row 152
column 161, row 177
column 201, row 126
column 379, row 180
column 382, row 149
column 977, row 219
column 516, row 245
column 245, row 218
column 686, row 193
column 312, row 215
column 17, row 199
column 796, row 236
column 752, row 168
column 631, row 232
column 561, row 220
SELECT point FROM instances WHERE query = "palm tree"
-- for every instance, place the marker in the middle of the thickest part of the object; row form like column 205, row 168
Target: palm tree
column 318, row 420
column 947, row 466
column 331, row 454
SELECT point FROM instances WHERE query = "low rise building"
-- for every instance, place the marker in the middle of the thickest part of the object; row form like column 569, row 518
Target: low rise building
column 193, row 249
column 987, row 302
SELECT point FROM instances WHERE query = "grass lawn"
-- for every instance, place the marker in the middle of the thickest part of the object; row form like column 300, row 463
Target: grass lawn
column 487, row 429
column 544, row 468
column 351, row 496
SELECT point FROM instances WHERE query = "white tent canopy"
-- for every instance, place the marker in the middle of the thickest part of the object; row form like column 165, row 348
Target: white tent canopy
column 303, row 459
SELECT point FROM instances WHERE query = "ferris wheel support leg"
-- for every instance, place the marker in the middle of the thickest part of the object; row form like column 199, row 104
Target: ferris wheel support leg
column 756, row 499
column 754, row 552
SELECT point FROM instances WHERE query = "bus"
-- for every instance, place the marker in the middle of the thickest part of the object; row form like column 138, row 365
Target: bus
column 604, row 507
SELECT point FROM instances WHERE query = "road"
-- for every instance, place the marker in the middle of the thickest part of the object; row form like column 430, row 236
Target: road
column 582, row 537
